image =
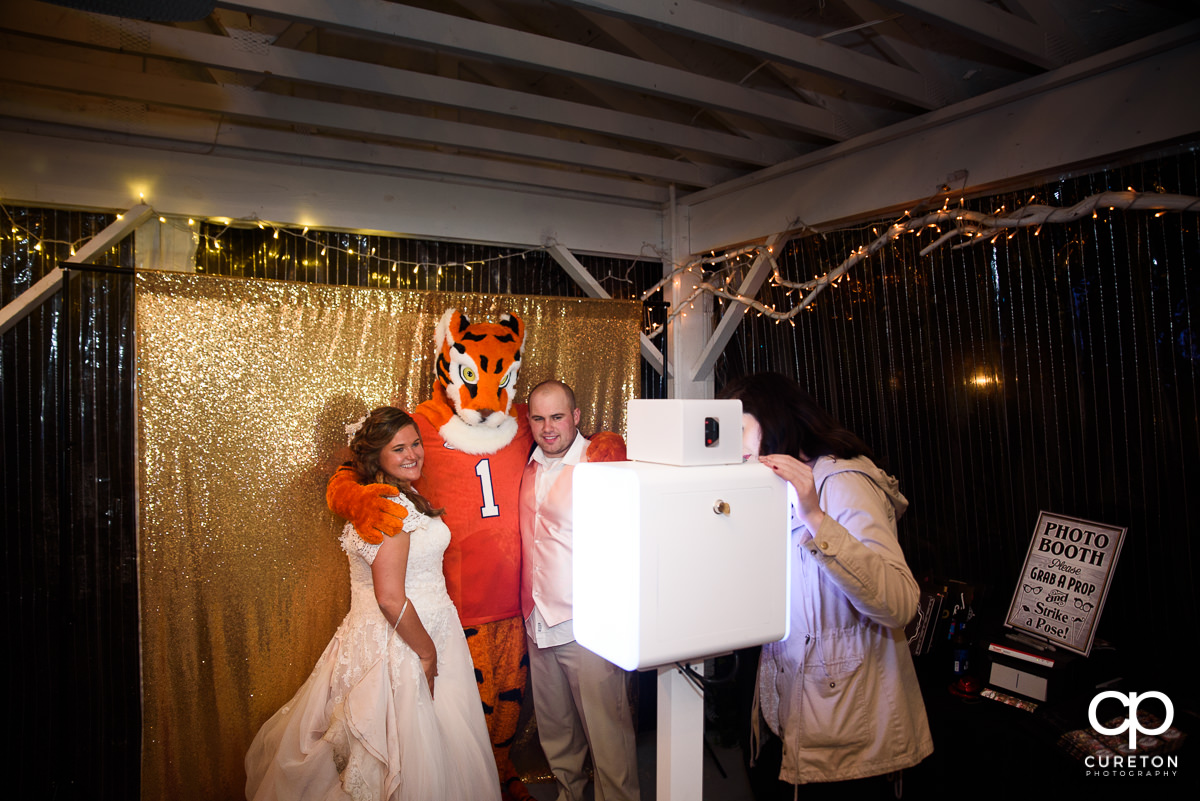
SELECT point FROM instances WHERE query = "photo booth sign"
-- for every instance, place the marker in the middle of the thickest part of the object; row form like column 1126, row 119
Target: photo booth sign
column 1064, row 582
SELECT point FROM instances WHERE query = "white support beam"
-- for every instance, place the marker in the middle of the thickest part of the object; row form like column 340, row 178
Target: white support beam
column 112, row 234
column 480, row 40
column 163, row 130
column 592, row 287
column 73, row 76
column 773, row 42
column 649, row 48
column 652, row 354
column 984, row 23
column 1132, row 98
column 39, row 169
column 679, row 736
column 15, row 310
column 222, row 52
column 756, row 276
column 890, row 38
column 690, row 328
column 577, row 271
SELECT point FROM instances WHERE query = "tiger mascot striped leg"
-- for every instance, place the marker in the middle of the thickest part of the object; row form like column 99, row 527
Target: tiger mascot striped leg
column 501, row 669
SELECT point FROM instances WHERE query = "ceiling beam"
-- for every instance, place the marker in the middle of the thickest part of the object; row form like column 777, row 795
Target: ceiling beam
column 74, row 76
column 1134, row 97
column 772, row 42
column 889, row 37
column 131, row 36
column 100, row 120
column 984, row 23
column 480, row 40
column 502, row 76
column 645, row 47
column 45, row 168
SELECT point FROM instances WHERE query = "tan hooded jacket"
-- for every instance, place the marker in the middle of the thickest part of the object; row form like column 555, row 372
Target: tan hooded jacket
column 841, row 690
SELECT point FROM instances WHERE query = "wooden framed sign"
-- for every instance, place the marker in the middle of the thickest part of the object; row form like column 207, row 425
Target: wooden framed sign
column 1063, row 585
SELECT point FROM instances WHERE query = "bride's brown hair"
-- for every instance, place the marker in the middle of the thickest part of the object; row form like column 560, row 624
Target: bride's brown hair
column 376, row 432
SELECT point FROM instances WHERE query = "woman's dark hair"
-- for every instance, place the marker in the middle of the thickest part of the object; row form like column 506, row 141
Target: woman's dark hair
column 792, row 422
column 376, row 432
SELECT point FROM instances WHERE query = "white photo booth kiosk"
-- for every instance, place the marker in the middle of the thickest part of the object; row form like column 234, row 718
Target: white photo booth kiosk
column 679, row 554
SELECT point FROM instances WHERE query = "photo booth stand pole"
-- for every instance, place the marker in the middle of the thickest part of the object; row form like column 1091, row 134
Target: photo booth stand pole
column 680, row 736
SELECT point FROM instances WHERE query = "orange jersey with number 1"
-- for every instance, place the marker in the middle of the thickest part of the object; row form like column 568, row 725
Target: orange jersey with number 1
column 480, row 495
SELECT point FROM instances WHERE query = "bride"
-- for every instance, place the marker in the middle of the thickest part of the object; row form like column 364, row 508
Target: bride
column 391, row 710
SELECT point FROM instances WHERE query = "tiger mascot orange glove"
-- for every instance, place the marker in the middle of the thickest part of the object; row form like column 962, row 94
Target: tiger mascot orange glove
column 476, row 445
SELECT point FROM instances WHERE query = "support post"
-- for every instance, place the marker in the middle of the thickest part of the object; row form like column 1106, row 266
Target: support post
column 680, row 737
column 690, row 329
column 755, row 278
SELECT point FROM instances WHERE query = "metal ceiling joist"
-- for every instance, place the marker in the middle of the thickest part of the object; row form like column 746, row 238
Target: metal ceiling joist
column 15, row 310
column 984, row 23
column 481, row 40
column 592, row 287
column 223, row 52
column 773, row 42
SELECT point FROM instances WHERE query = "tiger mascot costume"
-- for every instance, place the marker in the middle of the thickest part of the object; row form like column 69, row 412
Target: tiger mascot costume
column 476, row 446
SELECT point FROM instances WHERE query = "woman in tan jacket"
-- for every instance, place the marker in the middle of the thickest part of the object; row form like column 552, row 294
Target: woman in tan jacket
column 840, row 691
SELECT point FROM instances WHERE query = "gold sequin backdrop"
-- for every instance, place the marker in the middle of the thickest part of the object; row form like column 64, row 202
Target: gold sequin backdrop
column 244, row 388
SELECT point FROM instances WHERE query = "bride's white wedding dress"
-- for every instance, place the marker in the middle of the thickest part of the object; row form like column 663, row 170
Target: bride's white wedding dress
column 364, row 726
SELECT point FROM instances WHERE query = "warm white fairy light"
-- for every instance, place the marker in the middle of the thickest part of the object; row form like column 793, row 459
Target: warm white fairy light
column 383, row 265
column 974, row 227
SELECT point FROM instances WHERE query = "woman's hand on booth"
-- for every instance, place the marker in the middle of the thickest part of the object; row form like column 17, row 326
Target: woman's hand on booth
column 800, row 475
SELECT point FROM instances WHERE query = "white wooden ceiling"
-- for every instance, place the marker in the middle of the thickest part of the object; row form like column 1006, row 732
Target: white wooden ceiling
column 618, row 98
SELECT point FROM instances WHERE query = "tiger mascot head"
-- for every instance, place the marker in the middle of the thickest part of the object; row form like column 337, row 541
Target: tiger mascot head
column 477, row 366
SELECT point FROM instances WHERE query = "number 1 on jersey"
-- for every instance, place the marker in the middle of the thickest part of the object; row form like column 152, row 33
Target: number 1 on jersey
column 483, row 469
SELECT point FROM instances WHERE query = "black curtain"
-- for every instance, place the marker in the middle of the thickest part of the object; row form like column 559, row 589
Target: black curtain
column 70, row 545
column 1056, row 369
